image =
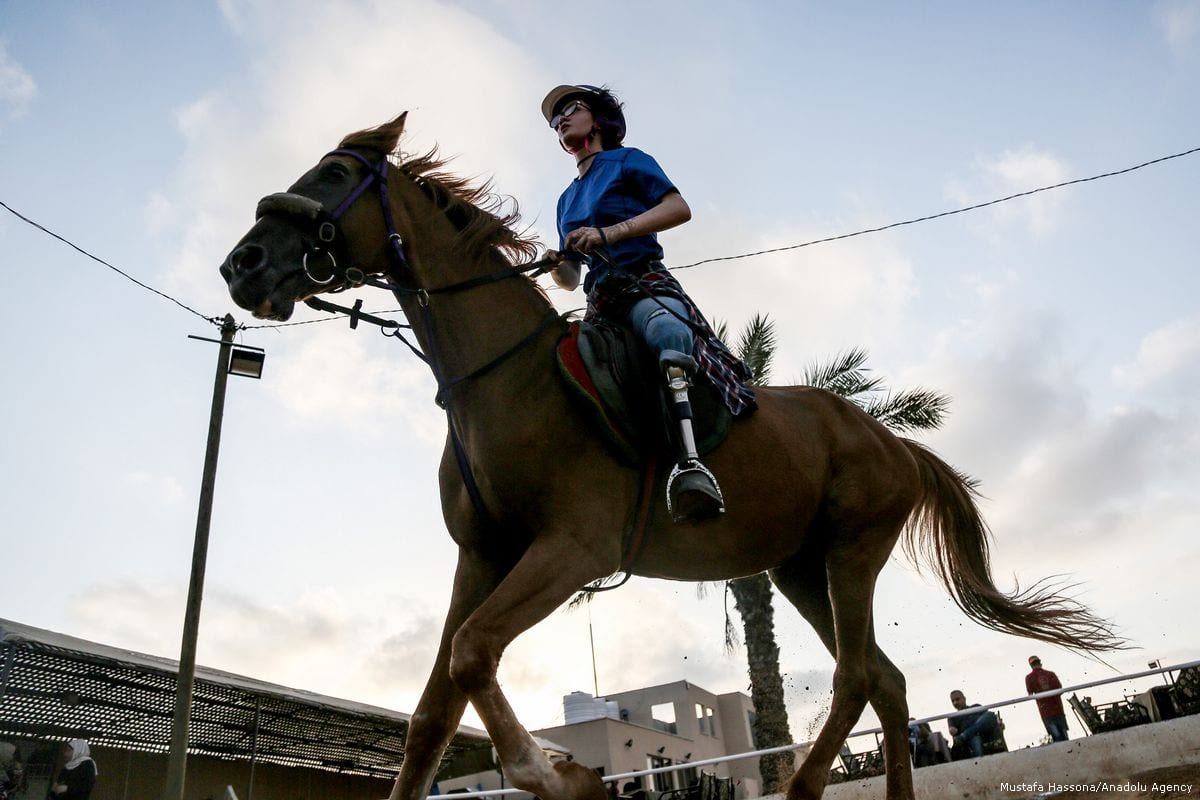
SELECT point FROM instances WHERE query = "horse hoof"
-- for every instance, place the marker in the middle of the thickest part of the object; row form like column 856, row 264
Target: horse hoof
column 579, row 782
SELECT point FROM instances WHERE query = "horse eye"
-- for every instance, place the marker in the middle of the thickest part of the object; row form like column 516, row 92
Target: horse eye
column 335, row 171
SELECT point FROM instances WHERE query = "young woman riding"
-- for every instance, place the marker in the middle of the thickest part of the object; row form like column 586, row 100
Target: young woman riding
column 608, row 218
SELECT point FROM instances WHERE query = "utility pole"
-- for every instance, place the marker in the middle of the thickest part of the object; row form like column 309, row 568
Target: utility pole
column 177, row 760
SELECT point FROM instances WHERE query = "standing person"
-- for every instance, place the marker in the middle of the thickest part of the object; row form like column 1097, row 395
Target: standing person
column 1051, row 708
column 77, row 776
column 12, row 773
column 609, row 218
column 970, row 729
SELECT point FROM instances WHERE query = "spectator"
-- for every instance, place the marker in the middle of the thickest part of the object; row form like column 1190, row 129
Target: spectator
column 1051, row 708
column 633, row 790
column 77, row 776
column 920, row 743
column 970, row 729
column 12, row 773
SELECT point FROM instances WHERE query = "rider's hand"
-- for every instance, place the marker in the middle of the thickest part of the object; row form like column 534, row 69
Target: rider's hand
column 585, row 240
column 565, row 271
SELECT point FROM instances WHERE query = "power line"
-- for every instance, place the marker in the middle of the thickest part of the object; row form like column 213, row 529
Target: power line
column 927, row 218
column 122, row 273
column 943, row 213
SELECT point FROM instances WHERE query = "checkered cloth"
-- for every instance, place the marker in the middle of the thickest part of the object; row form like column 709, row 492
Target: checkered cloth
column 613, row 297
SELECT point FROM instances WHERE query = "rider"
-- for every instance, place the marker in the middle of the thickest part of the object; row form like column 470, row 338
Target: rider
column 607, row 218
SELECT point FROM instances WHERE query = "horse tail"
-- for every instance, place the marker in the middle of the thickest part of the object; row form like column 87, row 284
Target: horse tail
column 947, row 533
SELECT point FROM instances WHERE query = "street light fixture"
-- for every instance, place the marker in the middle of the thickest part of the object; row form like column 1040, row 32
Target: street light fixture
column 248, row 362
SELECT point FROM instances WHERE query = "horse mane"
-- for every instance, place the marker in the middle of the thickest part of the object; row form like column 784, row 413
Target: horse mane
column 484, row 219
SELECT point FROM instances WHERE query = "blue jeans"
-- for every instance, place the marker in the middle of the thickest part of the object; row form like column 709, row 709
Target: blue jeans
column 659, row 328
column 973, row 734
column 1056, row 726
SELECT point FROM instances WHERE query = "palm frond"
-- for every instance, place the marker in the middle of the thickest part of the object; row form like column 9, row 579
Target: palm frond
column 845, row 375
column 756, row 347
column 732, row 640
column 910, row 410
column 721, row 329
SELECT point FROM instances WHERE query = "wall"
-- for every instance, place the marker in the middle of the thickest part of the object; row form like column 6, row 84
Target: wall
column 125, row 775
column 1114, row 757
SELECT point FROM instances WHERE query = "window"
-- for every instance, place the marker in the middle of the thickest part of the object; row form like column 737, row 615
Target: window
column 663, row 716
column 701, row 720
column 662, row 780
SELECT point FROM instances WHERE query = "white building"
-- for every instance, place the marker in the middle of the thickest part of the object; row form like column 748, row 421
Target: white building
column 658, row 726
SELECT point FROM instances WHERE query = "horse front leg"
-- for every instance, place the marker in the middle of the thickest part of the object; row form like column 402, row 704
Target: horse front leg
column 442, row 704
column 551, row 570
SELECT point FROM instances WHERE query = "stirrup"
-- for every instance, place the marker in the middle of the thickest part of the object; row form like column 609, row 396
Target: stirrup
column 693, row 493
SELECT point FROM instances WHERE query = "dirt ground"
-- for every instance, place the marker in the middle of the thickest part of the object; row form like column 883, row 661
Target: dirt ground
column 1168, row 783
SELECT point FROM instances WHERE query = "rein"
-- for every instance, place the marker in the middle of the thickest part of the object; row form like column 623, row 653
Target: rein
column 329, row 239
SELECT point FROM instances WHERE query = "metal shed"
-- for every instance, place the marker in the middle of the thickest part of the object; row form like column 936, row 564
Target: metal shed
column 54, row 686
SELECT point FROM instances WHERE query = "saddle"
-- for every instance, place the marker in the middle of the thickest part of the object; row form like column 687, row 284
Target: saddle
column 618, row 384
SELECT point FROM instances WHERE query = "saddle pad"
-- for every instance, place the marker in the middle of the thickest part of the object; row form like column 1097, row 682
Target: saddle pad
column 615, row 429
column 616, row 383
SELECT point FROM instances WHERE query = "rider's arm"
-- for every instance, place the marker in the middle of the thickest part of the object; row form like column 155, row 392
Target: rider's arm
column 672, row 210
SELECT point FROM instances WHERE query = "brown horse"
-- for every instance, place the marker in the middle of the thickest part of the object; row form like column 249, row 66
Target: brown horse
column 818, row 492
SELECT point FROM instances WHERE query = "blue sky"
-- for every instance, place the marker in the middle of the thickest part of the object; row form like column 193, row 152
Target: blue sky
column 1064, row 325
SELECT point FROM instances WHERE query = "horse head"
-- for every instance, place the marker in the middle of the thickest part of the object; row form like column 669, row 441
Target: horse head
column 304, row 241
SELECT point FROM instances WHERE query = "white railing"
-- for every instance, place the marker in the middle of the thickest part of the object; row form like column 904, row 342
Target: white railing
column 802, row 745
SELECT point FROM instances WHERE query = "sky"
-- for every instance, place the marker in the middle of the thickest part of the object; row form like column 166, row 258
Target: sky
column 1064, row 326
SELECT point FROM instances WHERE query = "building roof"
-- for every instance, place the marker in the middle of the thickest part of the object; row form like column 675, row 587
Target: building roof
column 58, row 686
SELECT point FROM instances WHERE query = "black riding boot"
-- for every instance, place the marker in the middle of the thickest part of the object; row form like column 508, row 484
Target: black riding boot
column 692, row 491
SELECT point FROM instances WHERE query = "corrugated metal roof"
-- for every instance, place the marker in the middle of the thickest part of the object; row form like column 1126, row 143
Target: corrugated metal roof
column 58, row 686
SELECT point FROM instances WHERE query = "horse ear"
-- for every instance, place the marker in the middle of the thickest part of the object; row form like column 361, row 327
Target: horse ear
column 383, row 139
column 395, row 128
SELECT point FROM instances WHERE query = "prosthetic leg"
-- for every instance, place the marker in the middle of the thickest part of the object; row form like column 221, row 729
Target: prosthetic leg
column 692, row 490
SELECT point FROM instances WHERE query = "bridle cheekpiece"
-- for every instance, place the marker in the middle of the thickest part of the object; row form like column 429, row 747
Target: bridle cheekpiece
column 324, row 237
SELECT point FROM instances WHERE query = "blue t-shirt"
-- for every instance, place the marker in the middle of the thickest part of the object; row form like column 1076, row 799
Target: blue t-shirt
column 619, row 184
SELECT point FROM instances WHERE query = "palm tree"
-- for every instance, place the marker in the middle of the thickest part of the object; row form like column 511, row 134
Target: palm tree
column 846, row 375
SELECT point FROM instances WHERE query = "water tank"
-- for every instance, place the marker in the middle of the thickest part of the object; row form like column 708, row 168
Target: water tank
column 578, row 707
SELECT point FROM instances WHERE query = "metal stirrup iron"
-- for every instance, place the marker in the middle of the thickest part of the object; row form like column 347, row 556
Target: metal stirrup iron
column 692, row 490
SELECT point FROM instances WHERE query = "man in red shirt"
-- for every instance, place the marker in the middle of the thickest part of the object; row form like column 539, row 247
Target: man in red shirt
column 1051, row 708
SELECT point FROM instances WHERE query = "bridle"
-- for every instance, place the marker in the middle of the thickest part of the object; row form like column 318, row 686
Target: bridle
column 323, row 237
column 327, row 233
column 321, row 226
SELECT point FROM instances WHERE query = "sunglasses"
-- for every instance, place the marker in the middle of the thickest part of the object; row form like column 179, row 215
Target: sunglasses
column 569, row 109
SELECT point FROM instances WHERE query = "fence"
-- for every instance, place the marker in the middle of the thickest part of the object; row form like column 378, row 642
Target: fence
column 1191, row 665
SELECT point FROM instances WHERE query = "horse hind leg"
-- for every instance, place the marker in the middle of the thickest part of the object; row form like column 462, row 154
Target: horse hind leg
column 805, row 582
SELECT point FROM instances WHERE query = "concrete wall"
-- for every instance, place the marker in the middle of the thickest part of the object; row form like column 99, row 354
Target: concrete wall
column 124, row 775
column 1110, row 757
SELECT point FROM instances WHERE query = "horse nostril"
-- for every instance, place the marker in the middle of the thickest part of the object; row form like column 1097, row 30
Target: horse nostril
column 247, row 258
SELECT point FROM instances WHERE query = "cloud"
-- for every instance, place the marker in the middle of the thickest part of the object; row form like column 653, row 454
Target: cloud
column 157, row 488
column 1011, row 383
column 1180, row 23
column 246, row 140
column 1011, row 172
column 823, row 300
column 316, row 641
column 17, row 87
column 1168, row 359
column 331, row 377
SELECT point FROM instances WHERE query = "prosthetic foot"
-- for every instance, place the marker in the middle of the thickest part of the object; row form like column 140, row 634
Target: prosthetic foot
column 692, row 490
